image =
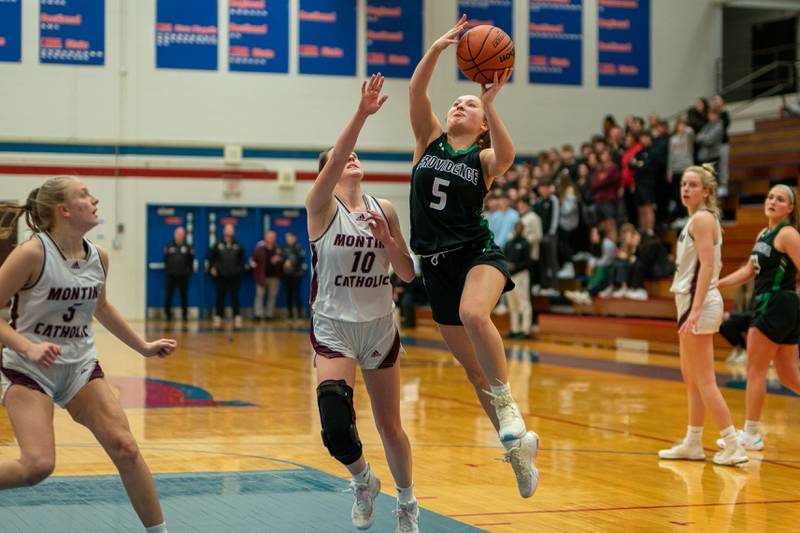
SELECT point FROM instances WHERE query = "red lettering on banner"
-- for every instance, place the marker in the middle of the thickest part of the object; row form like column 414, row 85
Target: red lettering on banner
column 309, row 50
column 282, row 222
column 240, row 51
column 547, row 28
column 264, row 53
column 615, row 47
column 332, row 51
column 249, row 4
column 173, row 221
column 77, row 44
column 50, row 42
column 538, row 60
column 629, row 70
column 607, row 68
column 2, row 41
column 383, row 11
column 229, row 220
column 614, row 24
column 397, row 59
column 252, row 29
column 376, row 58
column 318, row 16
column 561, row 62
column 59, row 18
column 388, row 36
column 627, row 4
column 164, row 26
column 195, row 28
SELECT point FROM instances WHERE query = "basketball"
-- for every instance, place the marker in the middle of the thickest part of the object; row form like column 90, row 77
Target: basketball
column 484, row 50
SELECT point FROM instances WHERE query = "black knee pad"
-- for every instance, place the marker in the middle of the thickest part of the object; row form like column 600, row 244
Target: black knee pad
column 338, row 418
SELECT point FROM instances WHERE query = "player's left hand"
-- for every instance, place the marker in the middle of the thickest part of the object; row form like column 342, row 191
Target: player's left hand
column 162, row 348
column 379, row 226
column 488, row 92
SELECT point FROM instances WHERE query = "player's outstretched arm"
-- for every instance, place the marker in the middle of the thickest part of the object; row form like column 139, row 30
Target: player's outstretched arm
column 387, row 230
column 500, row 156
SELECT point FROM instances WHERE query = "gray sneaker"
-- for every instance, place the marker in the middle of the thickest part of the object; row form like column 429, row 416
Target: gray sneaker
column 523, row 458
column 407, row 518
column 364, row 495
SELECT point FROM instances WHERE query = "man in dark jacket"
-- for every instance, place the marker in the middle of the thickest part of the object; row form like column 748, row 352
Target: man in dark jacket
column 294, row 266
column 178, row 266
column 226, row 265
column 518, row 254
column 267, row 265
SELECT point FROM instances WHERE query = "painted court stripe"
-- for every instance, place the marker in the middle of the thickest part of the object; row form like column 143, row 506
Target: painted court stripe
column 631, row 508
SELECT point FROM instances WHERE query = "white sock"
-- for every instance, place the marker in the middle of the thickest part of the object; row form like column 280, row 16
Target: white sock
column 405, row 495
column 729, row 434
column 504, row 388
column 160, row 528
column 694, row 434
column 751, row 427
column 363, row 476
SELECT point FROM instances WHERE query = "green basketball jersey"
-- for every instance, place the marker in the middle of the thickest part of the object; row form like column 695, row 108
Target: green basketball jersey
column 447, row 192
column 775, row 270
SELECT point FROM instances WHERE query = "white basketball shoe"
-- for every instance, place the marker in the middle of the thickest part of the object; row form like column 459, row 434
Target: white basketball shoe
column 364, row 494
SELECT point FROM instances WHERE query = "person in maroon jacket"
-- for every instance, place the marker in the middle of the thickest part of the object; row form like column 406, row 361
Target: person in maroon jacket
column 606, row 184
column 266, row 263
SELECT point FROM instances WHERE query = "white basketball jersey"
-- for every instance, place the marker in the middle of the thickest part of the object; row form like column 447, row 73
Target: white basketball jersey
column 687, row 262
column 59, row 306
column 350, row 269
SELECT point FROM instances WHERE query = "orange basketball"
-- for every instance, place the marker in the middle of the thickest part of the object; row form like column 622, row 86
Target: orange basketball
column 484, row 50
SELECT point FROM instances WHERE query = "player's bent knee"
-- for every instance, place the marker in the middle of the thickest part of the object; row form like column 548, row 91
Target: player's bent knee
column 37, row 470
column 338, row 419
column 124, row 448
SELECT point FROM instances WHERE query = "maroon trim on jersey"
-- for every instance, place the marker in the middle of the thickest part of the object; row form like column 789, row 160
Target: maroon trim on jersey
column 14, row 311
column 336, row 214
column 18, row 378
column 314, row 280
column 41, row 272
column 54, row 244
column 321, row 349
column 394, row 351
column 341, row 202
column 380, row 208
column 693, row 290
column 97, row 372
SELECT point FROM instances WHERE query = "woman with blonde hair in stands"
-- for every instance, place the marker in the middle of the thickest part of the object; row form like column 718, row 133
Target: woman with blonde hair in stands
column 57, row 282
column 698, row 261
column 775, row 328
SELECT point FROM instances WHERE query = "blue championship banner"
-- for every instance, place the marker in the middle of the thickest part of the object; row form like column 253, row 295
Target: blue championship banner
column 498, row 13
column 72, row 32
column 10, row 30
column 555, row 30
column 623, row 43
column 258, row 35
column 187, row 34
column 328, row 37
column 394, row 37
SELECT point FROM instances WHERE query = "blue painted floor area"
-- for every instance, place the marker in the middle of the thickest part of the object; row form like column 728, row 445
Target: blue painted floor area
column 282, row 501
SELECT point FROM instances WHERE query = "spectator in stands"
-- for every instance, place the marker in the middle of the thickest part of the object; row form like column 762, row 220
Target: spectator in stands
column 501, row 222
column 629, row 210
column 642, row 163
column 586, row 149
column 709, row 139
column 294, row 266
column 609, row 122
column 599, row 268
column 568, row 221
column 660, row 160
column 724, row 149
column 532, row 231
column 681, row 157
column 736, row 323
column 227, row 265
column 518, row 255
column 548, row 210
column 606, row 185
column 697, row 117
column 568, row 162
column 408, row 295
column 266, row 263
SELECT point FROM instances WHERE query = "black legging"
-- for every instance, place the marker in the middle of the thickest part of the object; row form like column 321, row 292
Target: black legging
column 182, row 284
column 292, row 286
column 231, row 285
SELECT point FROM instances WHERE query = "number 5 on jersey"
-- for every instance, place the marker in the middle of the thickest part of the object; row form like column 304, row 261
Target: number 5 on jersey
column 438, row 185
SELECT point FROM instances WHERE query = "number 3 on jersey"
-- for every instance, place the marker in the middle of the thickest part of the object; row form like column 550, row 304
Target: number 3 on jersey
column 438, row 185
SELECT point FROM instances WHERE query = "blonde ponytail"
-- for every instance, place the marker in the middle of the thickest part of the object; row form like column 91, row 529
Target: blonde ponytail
column 708, row 177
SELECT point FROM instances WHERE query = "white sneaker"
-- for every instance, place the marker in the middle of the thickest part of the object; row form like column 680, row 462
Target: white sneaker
column 407, row 518
column 636, row 294
column 753, row 443
column 566, row 272
column 607, row 292
column 237, row 321
column 684, row 451
column 364, row 494
column 523, row 458
column 733, row 358
column 512, row 426
column 549, row 293
column 216, row 321
column 731, row 456
column 619, row 293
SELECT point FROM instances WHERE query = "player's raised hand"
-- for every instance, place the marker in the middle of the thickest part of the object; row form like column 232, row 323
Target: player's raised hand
column 451, row 37
column 43, row 354
column 379, row 226
column 162, row 348
column 488, row 92
column 371, row 99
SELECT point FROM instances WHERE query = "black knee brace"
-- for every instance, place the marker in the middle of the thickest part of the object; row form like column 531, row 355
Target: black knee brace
column 338, row 418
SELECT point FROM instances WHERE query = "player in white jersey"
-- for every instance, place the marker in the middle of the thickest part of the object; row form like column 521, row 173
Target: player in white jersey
column 354, row 238
column 699, row 305
column 56, row 282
